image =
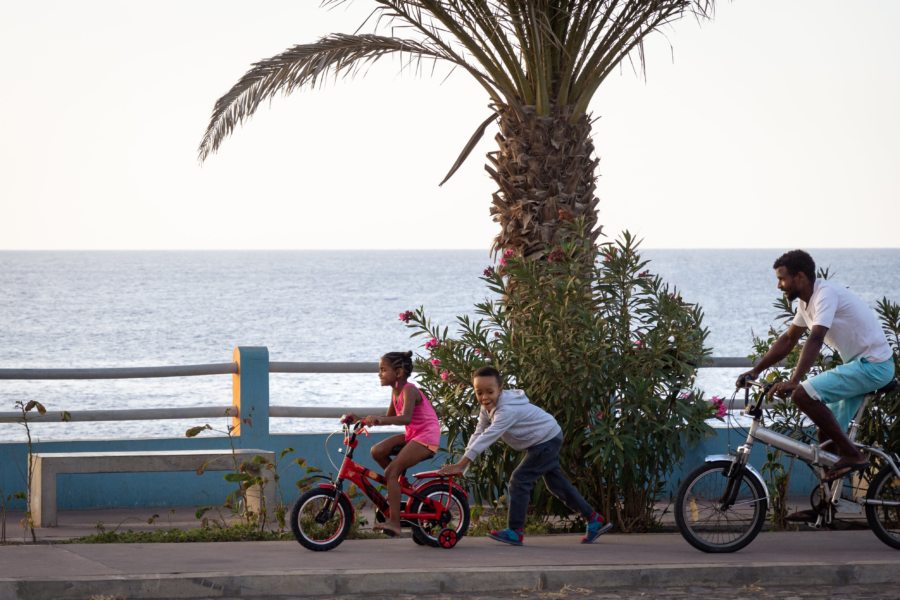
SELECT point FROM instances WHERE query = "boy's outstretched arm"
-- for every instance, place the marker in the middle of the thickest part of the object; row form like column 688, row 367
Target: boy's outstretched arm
column 486, row 433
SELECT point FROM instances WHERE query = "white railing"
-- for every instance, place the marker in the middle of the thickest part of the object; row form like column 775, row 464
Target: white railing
column 231, row 368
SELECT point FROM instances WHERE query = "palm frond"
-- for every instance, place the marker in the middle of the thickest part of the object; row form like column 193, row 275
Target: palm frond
column 470, row 145
column 304, row 65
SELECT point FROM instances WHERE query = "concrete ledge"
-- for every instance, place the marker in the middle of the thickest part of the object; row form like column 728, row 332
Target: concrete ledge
column 48, row 465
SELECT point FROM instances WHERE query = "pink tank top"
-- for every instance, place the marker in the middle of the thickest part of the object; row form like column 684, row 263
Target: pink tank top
column 424, row 427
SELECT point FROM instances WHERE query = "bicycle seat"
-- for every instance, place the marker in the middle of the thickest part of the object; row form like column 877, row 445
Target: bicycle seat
column 890, row 387
column 428, row 474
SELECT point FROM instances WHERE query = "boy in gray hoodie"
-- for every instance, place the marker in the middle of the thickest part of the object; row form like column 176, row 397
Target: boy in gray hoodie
column 508, row 415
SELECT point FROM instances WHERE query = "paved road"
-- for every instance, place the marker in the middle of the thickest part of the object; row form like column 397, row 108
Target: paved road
column 748, row 592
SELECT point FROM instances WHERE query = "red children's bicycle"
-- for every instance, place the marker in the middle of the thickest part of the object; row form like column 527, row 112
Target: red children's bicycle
column 436, row 508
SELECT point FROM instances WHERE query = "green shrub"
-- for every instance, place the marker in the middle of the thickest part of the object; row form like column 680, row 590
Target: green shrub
column 610, row 350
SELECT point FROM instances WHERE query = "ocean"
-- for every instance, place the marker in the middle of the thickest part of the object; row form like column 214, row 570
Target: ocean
column 121, row 309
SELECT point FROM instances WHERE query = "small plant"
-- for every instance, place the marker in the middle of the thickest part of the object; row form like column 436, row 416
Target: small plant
column 258, row 473
column 4, row 500
column 27, row 520
column 246, row 475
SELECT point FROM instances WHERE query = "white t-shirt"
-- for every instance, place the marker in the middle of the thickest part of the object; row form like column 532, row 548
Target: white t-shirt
column 853, row 329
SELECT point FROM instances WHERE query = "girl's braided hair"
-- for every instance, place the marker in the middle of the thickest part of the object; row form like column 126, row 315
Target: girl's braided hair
column 400, row 360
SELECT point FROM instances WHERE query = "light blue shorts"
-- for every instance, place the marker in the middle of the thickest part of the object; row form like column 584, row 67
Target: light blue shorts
column 843, row 387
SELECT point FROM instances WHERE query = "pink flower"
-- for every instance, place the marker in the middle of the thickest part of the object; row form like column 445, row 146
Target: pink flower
column 444, row 375
column 436, row 362
column 489, row 272
column 556, row 256
column 477, row 351
column 406, row 315
column 644, row 274
column 432, row 343
column 719, row 404
column 638, row 343
column 509, row 253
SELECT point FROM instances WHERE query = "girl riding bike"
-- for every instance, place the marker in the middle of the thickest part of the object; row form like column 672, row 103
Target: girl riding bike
column 409, row 407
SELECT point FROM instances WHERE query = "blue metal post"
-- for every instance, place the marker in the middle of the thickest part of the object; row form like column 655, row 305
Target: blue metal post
column 251, row 396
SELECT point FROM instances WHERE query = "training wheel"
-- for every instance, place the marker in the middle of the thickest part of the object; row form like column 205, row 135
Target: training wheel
column 447, row 538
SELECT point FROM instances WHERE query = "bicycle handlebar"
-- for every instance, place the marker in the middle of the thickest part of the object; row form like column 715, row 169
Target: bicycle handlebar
column 752, row 383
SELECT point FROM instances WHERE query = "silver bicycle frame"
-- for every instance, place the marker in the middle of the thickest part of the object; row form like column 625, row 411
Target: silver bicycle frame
column 811, row 453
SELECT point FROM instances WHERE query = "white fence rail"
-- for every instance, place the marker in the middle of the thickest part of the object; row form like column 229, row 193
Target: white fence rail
column 231, row 368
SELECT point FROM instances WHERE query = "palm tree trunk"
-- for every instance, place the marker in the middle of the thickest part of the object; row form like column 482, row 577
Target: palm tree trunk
column 545, row 172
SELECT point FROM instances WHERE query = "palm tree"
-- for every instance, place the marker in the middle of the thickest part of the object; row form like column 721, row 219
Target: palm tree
column 540, row 63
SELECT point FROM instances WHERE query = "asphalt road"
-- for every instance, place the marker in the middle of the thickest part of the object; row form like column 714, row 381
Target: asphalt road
column 759, row 591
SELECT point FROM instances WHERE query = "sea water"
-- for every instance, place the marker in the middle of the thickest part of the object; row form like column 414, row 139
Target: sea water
column 140, row 309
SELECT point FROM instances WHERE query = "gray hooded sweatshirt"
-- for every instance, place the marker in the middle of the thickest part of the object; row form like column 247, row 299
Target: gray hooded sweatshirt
column 516, row 421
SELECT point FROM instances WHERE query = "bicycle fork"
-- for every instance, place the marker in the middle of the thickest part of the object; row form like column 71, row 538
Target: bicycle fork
column 734, row 474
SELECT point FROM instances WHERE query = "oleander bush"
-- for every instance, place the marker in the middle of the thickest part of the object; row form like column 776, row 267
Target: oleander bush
column 610, row 350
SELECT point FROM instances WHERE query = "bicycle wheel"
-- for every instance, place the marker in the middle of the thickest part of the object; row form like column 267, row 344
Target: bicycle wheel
column 884, row 518
column 427, row 531
column 703, row 521
column 318, row 522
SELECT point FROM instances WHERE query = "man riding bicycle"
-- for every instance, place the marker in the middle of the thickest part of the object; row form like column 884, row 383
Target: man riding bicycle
column 838, row 317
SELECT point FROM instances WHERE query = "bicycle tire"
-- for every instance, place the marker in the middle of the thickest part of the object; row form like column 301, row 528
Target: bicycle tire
column 306, row 519
column 699, row 515
column 427, row 532
column 885, row 520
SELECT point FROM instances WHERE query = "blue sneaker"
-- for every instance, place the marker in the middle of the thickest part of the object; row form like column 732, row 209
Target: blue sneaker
column 507, row 536
column 595, row 528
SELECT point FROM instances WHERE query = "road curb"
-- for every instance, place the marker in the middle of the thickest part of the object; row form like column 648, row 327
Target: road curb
column 456, row 580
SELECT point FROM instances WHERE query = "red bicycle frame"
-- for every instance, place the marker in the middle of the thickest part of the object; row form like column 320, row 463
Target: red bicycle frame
column 363, row 477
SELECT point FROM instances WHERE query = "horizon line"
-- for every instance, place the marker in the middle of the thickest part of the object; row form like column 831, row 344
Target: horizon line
column 487, row 250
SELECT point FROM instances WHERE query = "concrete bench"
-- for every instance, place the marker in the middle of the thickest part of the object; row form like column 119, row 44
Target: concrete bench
column 48, row 465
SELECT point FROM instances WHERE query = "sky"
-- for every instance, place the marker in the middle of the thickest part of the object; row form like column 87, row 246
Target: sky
column 775, row 125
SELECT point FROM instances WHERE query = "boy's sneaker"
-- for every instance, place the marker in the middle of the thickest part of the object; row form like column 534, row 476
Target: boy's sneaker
column 507, row 536
column 595, row 528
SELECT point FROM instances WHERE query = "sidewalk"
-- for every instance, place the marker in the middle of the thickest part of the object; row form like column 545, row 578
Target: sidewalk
column 395, row 566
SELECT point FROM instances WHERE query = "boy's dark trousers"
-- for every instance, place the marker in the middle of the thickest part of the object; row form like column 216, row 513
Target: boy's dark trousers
column 542, row 460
